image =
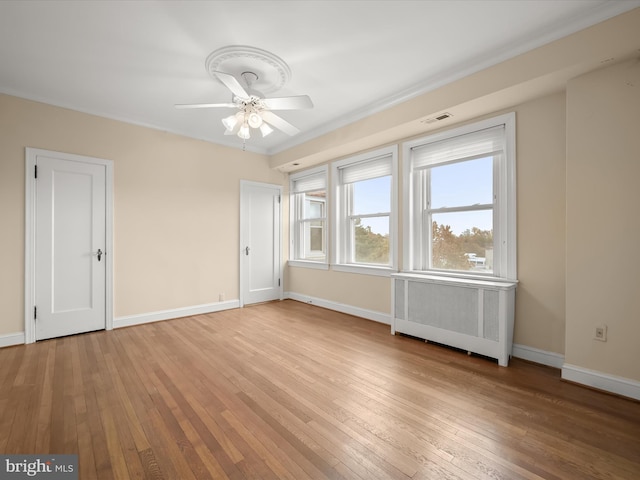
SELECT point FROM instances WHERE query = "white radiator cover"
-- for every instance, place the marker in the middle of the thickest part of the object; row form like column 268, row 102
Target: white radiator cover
column 475, row 315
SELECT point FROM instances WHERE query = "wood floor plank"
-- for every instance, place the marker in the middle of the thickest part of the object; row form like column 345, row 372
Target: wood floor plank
column 150, row 464
column 101, row 460
column 286, row 390
column 57, row 438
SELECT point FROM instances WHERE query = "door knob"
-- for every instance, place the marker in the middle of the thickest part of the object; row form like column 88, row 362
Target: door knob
column 99, row 254
column 246, row 251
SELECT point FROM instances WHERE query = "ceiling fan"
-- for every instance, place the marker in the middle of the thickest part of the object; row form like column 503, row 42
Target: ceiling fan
column 254, row 111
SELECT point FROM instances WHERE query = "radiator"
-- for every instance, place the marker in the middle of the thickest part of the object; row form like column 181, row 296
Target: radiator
column 474, row 315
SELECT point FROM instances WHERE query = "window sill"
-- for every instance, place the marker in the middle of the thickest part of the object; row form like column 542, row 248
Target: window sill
column 454, row 277
column 364, row 269
column 308, row 264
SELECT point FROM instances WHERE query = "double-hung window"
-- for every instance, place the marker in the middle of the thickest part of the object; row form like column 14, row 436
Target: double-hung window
column 309, row 216
column 460, row 201
column 365, row 215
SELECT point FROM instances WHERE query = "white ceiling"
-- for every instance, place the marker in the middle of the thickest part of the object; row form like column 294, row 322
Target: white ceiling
column 133, row 60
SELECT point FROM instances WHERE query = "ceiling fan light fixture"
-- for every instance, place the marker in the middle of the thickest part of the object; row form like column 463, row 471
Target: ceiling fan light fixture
column 265, row 129
column 255, row 120
column 229, row 122
column 244, row 133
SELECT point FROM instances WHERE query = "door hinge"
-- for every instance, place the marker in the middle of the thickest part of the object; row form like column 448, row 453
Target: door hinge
column 36, row 171
column 35, row 312
column 278, row 282
column 279, row 198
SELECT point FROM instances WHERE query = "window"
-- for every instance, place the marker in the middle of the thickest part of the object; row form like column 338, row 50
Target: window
column 309, row 216
column 460, row 201
column 365, row 212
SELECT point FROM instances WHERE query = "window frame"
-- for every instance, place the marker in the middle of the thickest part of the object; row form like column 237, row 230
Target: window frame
column 296, row 223
column 342, row 245
column 307, row 223
column 415, row 257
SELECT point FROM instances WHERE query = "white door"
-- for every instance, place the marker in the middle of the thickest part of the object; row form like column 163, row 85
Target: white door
column 70, row 247
column 260, row 242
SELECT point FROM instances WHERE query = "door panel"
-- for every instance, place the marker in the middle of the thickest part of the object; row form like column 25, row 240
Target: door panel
column 260, row 237
column 70, row 229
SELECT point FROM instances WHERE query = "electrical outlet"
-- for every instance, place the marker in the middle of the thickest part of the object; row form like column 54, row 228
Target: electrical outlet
column 601, row 333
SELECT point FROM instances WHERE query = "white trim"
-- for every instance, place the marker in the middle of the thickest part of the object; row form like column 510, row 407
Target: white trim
column 308, row 264
column 550, row 359
column 31, row 155
column 29, row 247
column 341, row 307
column 130, row 320
column 602, row 381
column 509, row 267
column 444, row 274
column 11, row 339
column 377, row 270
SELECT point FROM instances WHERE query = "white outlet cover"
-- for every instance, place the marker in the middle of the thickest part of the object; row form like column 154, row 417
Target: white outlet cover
column 601, row 333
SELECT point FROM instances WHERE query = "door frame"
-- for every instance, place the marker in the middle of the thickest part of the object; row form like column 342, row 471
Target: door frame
column 31, row 155
column 243, row 281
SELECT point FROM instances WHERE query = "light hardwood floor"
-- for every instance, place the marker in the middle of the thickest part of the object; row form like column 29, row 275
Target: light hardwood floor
column 286, row 390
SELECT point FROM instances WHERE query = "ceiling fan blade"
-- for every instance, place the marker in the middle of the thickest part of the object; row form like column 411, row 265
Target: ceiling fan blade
column 288, row 103
column 232, row 84
column 206, row 105
column 278, row 122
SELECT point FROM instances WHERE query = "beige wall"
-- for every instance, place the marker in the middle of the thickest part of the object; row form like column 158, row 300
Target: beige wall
column 176, row 207
column 368, row 292
column 540, row 144
column 603, row 219
column 540, row 306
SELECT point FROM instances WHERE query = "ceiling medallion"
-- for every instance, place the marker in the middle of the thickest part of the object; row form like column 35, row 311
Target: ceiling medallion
column 261, row 72
column 272, row 72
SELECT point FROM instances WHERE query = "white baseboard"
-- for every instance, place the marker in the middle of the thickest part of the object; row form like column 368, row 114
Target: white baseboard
column 139, row 319
column 341, row 307
column 536, row 355
column 12, row 339
column 602, row 381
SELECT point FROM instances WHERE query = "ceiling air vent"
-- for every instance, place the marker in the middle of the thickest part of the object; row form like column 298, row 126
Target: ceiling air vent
column 437, row 118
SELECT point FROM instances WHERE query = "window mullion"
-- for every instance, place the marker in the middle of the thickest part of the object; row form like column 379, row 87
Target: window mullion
column 372, row 215
column 465, row 208
column 349, row 236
